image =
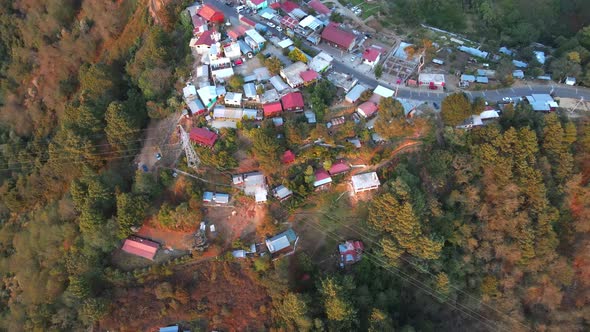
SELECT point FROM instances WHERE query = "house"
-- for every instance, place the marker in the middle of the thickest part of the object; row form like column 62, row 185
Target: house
column 542, row 102
column 309, row 76
column 372, row 55
column 310, row 116
column 238, row 32
column 278, row 121
column 221, row 68
column 409, row 106
column 270, row 95
column 342, row 80
column 211, row 14
column 278, row 83
column 481, row 80
column 203, row 136
column 474, row 52
column 250, row 92
column 376, row 138
column 203, row 43
column 208, row 95
column 384, row 92
column 518, row 74
column 336, row 122
column 272, row 109
column 321, row 62
column 350, row 252
column 489, row 114
column 245, row 20
column 202, row 73
column 288, row 157
column 222, row 112
column 466, row 79
column 262, row 74
column 282, row 193
column 282, row 244
column 292, row 74
column 293, row 101
column 365, row 182
column 215, row 198
column 338, row 38
column 257, row 4
column 367, row 109
column 196, row 106
column 189, row 91
column 431, row 80
column 253, row 184
column 220, row 91
column 505, row 50
column 140, row 247
column 311, row 22
column 254, row 39
column 355, row 142
column 486, row 72
column 319, row 7
column 289, row 6
column 519, row 64
column 355, row 93
column 289, row 22
column 232, row 51
column 268, row 13
column 174, row 328
column 570, row 80
column 285, row 43
column 339, row 167
column 540, row 56
column 322, row 178
column 233, row 99
column 199, row 25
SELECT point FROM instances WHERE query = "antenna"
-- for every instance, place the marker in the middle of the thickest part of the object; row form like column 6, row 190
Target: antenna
column 191, row 156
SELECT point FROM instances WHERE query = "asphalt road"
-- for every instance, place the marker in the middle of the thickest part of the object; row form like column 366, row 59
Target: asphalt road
column 422, row 94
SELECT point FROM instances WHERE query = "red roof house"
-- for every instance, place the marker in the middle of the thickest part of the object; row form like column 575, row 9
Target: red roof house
column 337, row 37
column 319, row 7
column 339, row 167
column 203, row 136
column 288, row 157
column 237, row 32
column 367, row 109
column 292, row 101
column 205, row 39
column 140, row 247
column 309, row 76
column 275, row 5
column 211, row 13
column 247, row 21
column 322, row 178
column 289, row 22
column 371, row 55
column 350, row 252
column 288, row 6
column 272, row 109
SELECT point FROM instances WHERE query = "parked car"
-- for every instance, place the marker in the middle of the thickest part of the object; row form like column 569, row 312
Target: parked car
column 435, row 106
column 279, row 29
column 270, row 24
column 352, row 58
column 507, row 99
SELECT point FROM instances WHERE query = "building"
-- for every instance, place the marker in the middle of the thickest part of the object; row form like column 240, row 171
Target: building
column 372, row 55
column 311, row 22
column 269, row 96
column 542, row 102
column 199, row 25
column 482, row 80
column 174, row 328
column 489, row 114
column 288, row 157
column 215, row 198
column 309, row 77
column 540, row 56
column 140, row 247
column 211, row 14
column 289, row 22
column 278, row 83
column 221, row 68
column 319, row 7
column 367, row 109
column 350, row 252
column 339, row 167
column 208, row 95
column 321, row 62
column 384, row 92
column 431, row 80
column 337, row 37
column 518, row 74
column 282, row 193
column 203, row 136
column 342, row 80
column 254, row 39
column 355, row 93
column 189, row 91
column 282, row 244
column 519, row 64
column 310, row 116
column 365, row 182
column 474, row 52
column 466, row 79
column 222, row 112
column 238, row 32
column 292, row 74
column 272, row 109
column 293, row 102
column 203, row 43
column 257, row 4
column 233, row 99
column 232, row 51
column 322, row 178
column 285, row 43
column 245, row 20
column 253, row 184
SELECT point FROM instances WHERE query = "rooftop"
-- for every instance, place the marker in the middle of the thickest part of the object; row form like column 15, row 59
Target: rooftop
column 203, row 136
column 334, row 34
column 371, row 54
column 140, row 247
column 309, row 75
column 321, row 178
column 365, row 181
column 319, row 7
column 292, row 100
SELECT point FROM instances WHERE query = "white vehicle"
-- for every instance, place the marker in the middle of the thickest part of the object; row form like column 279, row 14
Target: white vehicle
column 507, row 99
column 240, row 9
column 352, row 58
column 270, row 24
column 279, row 29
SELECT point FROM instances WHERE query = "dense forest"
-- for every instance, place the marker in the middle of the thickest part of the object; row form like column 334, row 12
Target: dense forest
column 478, row 230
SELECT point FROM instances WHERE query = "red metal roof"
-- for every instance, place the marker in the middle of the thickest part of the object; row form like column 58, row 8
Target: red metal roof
column 248, row 21
column 140, row 247
column 211, row 13
column 288, row 157
column 237, row 32
column 203, row 136
column 272, row 109
column 339, row 167
column 292, row 100
column 319, row 7
column 289, row 22
column 275, row 5
column 371, row 54
column 321, row 174
column 333, row 34
column 205, row 38
column 288, row 6
column 309, row 75
column 369, row 108
column 198, row 21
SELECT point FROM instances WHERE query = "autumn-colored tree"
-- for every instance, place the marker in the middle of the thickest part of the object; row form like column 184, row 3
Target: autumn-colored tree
column 236, row 82
column 391, row 121
column 297, row 55
column 292, row 309
column 273, row 64
column 455, row 109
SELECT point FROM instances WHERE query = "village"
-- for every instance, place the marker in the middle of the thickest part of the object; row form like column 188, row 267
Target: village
column 314, row 87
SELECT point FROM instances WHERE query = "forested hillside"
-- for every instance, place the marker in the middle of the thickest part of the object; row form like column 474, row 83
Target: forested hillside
column 78, row 80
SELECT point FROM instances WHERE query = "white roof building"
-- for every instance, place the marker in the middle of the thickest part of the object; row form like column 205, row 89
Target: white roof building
column 383, row 91
column 310, row 22
column 570, row 80
column 189, row 91
column 281, row 192
column 232, row 51
column 208, row 95
column 365, row 182
column 278, row 83
column 233, row 99
column 253, row 184
column 250, row 91
column 219, row 124
column 291, row 73
column 355, row 93
column 321, row 62
column 489, row 114
column 434, row 79
column 222, row 112
column 252, row 33
column 285, row 43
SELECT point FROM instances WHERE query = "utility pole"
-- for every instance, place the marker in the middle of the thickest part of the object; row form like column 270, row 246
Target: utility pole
column 192, row 159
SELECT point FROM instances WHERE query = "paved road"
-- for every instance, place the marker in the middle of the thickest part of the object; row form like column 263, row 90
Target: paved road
column 422, row 94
